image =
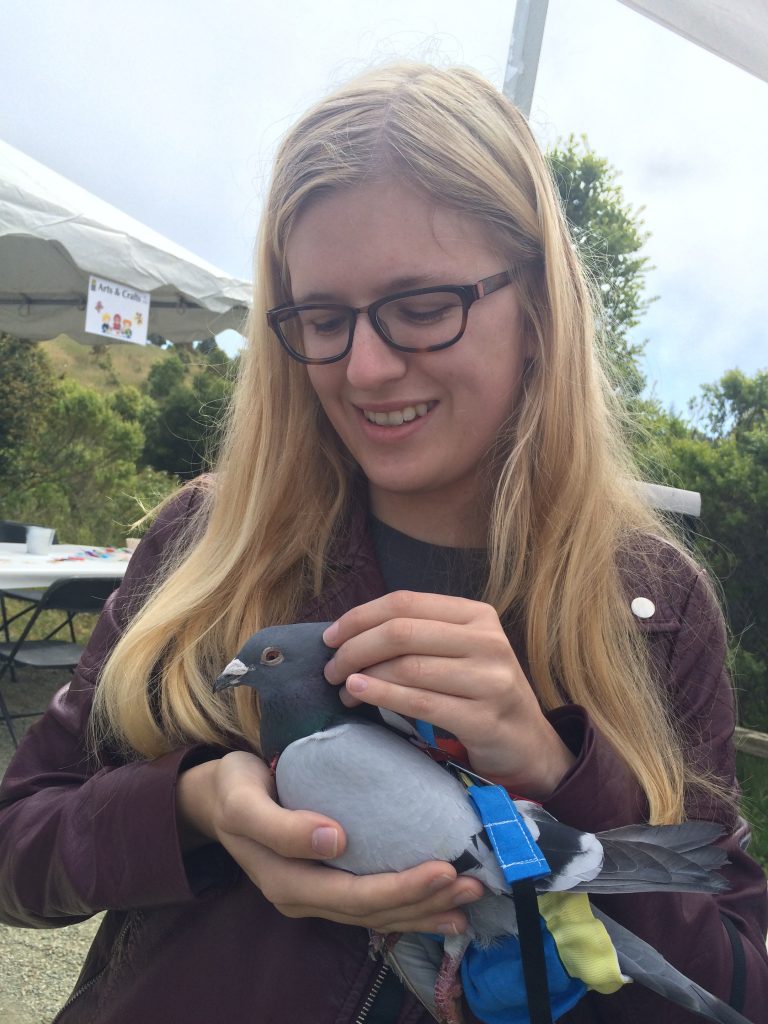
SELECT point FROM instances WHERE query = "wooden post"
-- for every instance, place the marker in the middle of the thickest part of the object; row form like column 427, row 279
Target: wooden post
column 751, row 742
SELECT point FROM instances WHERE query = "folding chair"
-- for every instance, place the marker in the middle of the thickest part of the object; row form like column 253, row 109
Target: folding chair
column 15, row 533
column 70, row 597
column 12, row 533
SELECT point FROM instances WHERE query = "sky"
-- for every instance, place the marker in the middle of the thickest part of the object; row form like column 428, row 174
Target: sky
column 171, row 110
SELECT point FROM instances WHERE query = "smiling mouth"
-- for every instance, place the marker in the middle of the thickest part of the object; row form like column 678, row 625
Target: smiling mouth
column 397, row 417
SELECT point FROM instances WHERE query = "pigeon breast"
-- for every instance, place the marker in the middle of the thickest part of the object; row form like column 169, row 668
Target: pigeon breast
column 397, row 807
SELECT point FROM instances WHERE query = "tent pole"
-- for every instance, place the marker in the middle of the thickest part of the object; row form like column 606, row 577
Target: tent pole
column 524, row 50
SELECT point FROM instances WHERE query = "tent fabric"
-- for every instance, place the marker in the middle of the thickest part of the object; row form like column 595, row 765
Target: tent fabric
column 54, row 235
column 736, row 30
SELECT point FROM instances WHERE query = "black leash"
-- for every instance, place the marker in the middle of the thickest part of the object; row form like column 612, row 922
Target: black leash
column 532, row 952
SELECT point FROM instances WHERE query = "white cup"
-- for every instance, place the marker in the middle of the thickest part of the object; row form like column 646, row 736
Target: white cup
column 39, row 540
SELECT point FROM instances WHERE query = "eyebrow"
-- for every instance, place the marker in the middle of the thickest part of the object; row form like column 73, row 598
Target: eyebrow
column 391, row 287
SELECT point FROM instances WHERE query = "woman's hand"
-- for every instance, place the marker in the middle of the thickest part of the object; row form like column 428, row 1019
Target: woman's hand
column 447, row 661
column 232, row 801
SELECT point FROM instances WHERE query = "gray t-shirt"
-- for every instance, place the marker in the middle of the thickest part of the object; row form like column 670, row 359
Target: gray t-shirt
column 409, row 564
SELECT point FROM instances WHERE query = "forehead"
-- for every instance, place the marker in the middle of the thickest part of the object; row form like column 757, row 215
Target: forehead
column 384, row 236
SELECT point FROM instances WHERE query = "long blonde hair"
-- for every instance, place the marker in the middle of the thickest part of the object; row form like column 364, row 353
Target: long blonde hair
column 564, row 507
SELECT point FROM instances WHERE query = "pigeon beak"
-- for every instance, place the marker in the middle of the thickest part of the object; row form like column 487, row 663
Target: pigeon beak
column 231, row 676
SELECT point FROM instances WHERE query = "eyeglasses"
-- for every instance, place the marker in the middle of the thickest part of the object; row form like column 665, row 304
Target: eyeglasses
column 420, row 320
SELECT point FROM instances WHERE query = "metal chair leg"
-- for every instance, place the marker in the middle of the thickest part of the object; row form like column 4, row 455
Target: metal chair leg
column 6, row 716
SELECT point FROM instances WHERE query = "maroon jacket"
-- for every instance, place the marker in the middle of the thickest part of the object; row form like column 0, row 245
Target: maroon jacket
column 191, row 939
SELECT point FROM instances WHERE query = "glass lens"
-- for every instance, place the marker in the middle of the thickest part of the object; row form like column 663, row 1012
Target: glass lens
column 317, row 332
column 420, row 321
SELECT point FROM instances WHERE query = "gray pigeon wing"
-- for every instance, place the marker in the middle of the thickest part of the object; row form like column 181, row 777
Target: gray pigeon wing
column 634, row 858
column 397, row 806
column 416, row 959
column 685, row 837
column 638, row 867
column 647, row 967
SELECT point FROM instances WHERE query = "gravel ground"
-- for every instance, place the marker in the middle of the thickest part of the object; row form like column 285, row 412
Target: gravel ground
column 38, row 969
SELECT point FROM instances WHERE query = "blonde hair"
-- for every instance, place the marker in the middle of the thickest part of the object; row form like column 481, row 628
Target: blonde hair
column 563, row 510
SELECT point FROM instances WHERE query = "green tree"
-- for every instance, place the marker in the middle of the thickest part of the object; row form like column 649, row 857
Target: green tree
column 165, row 375
column 130, row 404
column 78, row 474
column 609, row 236
column 181, row 426
column 27, row 385
column 722, row 452
column 736, row 405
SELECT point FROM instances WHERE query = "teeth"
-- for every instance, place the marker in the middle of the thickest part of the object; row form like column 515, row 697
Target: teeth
column 397, row 416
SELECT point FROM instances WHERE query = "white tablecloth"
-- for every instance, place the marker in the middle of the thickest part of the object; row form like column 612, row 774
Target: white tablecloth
column 64, row 561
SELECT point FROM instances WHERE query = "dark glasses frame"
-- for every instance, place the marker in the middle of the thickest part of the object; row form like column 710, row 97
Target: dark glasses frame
column 468, row 293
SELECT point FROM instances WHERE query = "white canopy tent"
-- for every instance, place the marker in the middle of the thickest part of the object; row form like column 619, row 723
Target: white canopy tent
column 54, row 235
column 736, row 30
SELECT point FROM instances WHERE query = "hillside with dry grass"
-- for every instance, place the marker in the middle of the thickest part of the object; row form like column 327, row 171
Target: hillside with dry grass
column 105, row 368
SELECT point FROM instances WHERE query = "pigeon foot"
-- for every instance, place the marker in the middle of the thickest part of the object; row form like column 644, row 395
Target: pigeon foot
column 380, row 943
column 448, row 990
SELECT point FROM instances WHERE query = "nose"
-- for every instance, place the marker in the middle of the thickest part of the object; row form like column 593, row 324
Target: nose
column 372, row 362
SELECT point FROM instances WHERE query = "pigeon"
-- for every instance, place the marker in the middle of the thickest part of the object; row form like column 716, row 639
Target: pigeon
column 367, row 769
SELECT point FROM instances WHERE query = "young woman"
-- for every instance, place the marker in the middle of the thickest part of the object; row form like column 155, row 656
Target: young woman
column 419, row 449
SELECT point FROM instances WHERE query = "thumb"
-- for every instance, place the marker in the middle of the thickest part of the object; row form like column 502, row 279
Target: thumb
column 248, row 808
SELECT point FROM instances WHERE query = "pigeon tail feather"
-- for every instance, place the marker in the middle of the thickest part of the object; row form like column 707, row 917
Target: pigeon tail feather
column 648, row 967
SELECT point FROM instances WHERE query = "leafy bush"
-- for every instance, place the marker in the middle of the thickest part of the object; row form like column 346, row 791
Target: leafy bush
column 753, row 776
column 722, row 452
column 76, row 468
column 188, row 400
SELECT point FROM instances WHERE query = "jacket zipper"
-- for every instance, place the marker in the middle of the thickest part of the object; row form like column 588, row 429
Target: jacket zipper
column 92, row 981
column 365, row 1009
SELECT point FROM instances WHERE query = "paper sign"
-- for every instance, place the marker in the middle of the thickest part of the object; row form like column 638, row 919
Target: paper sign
column 116, row 311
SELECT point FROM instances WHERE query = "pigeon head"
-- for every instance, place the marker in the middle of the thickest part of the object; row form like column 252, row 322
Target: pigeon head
column 284, row 665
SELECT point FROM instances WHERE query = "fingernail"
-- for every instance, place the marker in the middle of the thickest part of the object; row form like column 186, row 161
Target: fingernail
column 440, row 882
column 448, row 928
column 356, row 684
column 325, row 841
column 331, row 634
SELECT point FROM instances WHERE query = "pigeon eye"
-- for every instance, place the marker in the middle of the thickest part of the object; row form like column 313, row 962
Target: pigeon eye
column 271, row 656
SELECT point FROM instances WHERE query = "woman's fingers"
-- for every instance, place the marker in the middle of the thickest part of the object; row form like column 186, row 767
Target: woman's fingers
column 278, row 850
column 422, row 640
column 423, row 898
column 416, row 639
column 449, row 712
column 447, row 661
column 401, row 604
column 246, row 807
